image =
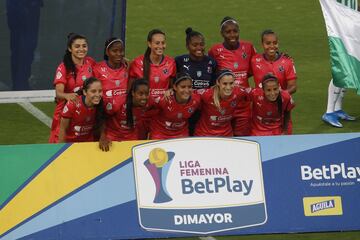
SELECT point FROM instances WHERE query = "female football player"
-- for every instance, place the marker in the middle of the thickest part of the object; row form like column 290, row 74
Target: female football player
column 235, row 54
column 272, row 61
column 271, row 108
column 70, row 76
column 200, row 67
column 218, row 105
column 80, row 119
column 112, row 71
column 154, row 66
column 125, row 115
column 175, row 111
column 276, row 63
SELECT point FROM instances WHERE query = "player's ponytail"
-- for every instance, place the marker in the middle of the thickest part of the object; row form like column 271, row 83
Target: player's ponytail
column 190, row 33
column 129, row 100
column 146, row 60
column 67, row 59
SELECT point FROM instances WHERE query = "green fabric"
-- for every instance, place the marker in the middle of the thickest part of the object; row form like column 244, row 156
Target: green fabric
column 18, row 163
column 344, row 67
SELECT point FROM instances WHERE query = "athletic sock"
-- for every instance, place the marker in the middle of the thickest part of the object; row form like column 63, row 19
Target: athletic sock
column 333, row 95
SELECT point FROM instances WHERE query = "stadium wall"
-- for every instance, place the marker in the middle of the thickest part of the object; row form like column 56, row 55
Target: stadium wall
column 181, row 187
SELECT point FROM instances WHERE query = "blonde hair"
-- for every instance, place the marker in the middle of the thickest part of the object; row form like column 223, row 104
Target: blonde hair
column 216, row 97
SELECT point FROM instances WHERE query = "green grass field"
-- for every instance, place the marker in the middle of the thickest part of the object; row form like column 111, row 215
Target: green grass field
column 301, row 31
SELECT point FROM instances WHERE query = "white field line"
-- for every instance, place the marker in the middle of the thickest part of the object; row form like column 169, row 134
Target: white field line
column 207, row 238
column 36, row 113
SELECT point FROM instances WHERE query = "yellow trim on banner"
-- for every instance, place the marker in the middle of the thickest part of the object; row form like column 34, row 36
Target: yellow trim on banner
column 76, row 166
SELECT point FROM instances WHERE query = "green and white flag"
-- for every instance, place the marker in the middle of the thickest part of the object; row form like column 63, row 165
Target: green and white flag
column 343, row 29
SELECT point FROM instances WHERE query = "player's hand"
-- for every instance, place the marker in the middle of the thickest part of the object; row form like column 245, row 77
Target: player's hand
column 105, row 144
column 73, row 97
column 168, row 93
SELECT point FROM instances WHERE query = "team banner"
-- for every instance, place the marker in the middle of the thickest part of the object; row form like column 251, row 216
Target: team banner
column 180, row 187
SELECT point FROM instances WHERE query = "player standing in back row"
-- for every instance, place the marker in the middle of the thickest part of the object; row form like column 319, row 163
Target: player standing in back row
column 235, row 54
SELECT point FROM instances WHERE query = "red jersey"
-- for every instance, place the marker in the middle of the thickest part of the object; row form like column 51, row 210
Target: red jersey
column 82, row 121
column 160, row 75
column 266, row 119
column 71, row 85
column 116, row 128
column 215, row 122
column 283, row 68
column 238, row 61
column 172, row 119
column 114, row 81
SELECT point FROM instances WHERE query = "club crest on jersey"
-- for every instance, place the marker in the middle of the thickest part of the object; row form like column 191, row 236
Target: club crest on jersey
column 244, row 55
column 179, row 115
column 233, row 104
column 198, row 73
column 236, row 65
column 117, row 83
column 83, row 77
column 165, row 71
column 281, row 68
column 156, row 79
column 268, row 113
column 88, row 119
column 58, row 75
column 222, row 111
column 109, row 106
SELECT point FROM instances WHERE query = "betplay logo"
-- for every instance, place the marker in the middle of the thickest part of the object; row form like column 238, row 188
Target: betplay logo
column 199, row 185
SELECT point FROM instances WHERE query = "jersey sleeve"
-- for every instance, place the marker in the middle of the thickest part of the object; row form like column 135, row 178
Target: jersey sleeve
column 60, row 76
column 69, row 110
column 136, row 70
column 290, row 70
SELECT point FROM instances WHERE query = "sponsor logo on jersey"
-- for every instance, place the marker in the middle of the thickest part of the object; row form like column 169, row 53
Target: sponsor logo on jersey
column 187, row 190
column 322, row 206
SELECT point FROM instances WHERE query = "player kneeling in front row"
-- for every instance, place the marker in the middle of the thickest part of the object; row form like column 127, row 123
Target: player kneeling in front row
column 271, row 108
column 81, row 118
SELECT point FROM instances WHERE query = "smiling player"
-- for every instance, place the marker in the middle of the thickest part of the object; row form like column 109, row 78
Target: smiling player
column 235, row 54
